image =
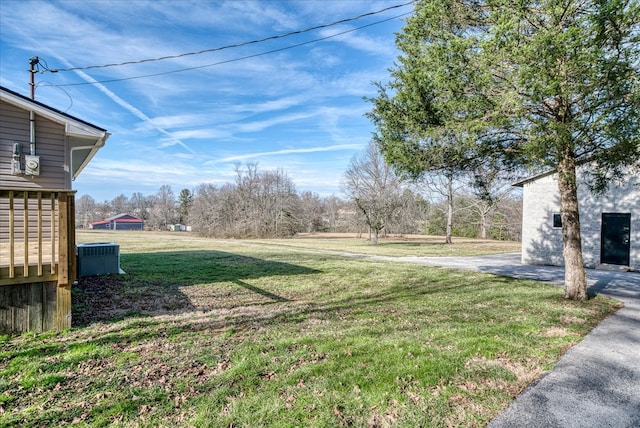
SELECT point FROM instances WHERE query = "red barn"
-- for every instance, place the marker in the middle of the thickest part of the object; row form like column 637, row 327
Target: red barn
column 119, row 222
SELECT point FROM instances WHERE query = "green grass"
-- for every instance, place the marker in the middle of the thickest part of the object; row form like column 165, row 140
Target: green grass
column 423, row 246
column 242, row 333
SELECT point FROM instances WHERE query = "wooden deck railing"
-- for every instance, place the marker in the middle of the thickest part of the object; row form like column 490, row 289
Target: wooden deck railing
column 37, row 236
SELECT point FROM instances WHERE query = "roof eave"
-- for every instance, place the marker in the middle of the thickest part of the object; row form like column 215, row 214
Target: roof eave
column 93, row 149
column 73, row 125
column 521, row 183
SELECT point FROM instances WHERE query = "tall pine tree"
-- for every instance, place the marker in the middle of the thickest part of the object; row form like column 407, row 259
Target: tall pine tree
column 517, row 84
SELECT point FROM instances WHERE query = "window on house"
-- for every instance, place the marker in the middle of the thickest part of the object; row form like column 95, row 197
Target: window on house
column 557, row 220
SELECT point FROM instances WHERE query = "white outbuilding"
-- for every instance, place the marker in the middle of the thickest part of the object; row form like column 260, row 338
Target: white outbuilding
column 609, row 222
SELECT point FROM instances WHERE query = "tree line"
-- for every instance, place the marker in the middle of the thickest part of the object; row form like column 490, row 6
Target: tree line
column 266, row 204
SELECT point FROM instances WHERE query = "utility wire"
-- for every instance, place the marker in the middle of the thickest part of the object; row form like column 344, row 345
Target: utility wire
column 237, row 45
column 231, row 60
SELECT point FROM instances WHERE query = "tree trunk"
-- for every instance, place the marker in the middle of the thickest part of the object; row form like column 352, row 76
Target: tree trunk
column 575, row 277
column 374, row 241
column 483, row 225
column 449, row 231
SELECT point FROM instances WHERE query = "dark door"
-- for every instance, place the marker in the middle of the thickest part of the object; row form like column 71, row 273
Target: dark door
column 616, row 234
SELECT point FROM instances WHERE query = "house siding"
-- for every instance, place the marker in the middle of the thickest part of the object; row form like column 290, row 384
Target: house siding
column 542, row 243
column 37, row 235
column 51, row 146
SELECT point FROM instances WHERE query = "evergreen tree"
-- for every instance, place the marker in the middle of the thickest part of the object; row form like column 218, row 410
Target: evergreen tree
column 536, row 84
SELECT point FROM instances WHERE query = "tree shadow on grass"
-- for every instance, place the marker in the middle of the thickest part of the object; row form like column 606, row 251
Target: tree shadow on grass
column 170, row 282
column 252, row 314
column 108, row 306
column 237, row 304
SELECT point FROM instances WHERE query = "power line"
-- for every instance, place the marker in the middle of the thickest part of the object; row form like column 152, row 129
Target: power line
column 237, row 45
column 231, row 60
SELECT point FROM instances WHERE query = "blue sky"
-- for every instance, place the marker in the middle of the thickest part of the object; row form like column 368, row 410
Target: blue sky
column 299, row 109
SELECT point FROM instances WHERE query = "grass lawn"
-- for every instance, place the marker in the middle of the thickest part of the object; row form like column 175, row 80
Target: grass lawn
column 212, row 333
column 423, row 246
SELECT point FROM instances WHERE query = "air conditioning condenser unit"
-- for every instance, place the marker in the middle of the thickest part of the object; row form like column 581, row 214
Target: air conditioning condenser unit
column 98, row 258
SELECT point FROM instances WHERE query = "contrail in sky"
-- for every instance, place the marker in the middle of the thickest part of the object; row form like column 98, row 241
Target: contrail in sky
column 133, row 110
column 290, row 151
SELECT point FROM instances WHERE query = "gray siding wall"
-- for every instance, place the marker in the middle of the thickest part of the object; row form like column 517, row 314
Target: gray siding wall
column 50, row 146
column 542, row 243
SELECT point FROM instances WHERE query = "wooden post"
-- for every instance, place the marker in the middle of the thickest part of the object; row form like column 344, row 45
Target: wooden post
column 53, row 233
column 12, row 237
column 25, row 265
column 63, row 241
column 63, row 306
column 63, row 291
column 39, row 233
column 73, row 265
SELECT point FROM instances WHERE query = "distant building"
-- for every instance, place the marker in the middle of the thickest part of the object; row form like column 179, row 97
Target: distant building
column 179, row 228
column 119, row 222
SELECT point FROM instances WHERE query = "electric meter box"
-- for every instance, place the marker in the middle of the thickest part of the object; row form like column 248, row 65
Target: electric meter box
column 31, row 165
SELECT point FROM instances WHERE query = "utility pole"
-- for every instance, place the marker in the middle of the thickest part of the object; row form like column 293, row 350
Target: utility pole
column 33, row 61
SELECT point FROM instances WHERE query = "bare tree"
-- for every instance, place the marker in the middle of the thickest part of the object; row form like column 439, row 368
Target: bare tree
column 120, row 204
column 103, row 210
column 375, row 189
column 260, row 204
column 85, row 210
column 334, row 213
column 310, row 212
column 216, row 212
column 205, row 214
column 507, row 221
column 488, row 188
column 163, row 210
column 412, row 215
column 279, row 205
column 443, row 186
column 248, row 212
column 140, row 205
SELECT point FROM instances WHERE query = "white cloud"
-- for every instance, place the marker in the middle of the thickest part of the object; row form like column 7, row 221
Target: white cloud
column 290, row 151
column 205, row 133
column 272, row 105
column 377, row 46
column 177, row 121
column 256, row 126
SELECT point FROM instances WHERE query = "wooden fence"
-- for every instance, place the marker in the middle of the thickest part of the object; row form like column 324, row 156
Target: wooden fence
column 37, row 259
